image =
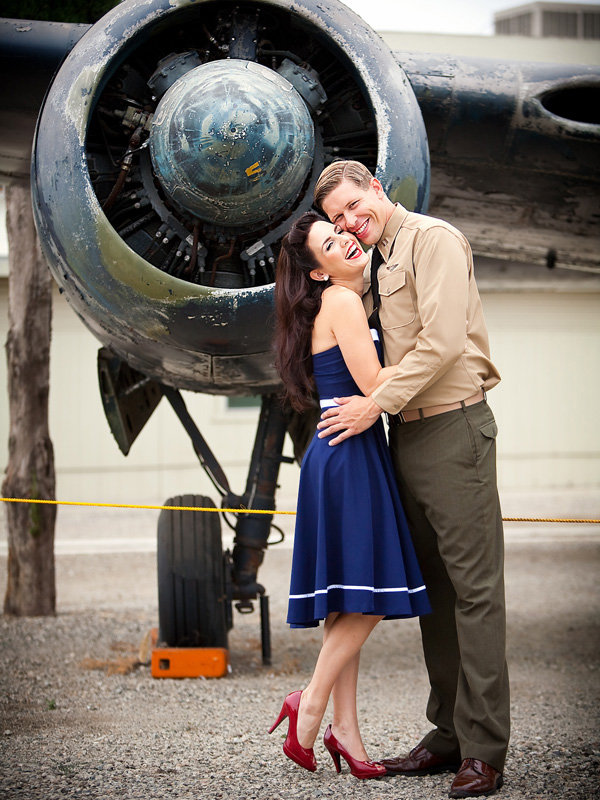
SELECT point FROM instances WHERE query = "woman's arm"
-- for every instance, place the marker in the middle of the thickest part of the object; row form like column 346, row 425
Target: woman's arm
column 342, row 311
column 382, row 376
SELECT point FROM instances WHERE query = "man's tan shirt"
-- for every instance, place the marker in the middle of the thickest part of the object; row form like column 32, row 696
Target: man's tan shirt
column 431, row 315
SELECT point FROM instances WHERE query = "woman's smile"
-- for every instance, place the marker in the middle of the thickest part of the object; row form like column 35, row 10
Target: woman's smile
column 353, row 251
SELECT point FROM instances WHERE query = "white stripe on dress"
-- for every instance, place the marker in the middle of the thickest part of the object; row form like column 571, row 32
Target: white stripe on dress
column 328, row 403
column 356, row 588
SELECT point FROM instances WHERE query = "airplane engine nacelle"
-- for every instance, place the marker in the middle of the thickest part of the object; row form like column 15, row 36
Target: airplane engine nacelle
column 175, row 146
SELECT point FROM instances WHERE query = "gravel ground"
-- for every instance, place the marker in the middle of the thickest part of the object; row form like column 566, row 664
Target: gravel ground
column 71, row 731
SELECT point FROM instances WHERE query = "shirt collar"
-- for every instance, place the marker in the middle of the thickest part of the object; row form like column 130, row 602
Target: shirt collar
column 390, row 231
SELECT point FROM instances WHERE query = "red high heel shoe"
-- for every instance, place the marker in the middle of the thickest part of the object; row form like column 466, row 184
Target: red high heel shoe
column 360, row 769
column 292, row 747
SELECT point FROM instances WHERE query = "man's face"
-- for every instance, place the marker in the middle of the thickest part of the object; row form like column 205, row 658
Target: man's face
column 363, row 212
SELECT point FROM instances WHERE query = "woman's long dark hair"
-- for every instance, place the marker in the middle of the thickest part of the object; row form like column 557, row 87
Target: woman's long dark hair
column 297, row 303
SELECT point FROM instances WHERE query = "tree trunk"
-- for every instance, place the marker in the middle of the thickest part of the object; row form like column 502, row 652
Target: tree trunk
column 30, row 589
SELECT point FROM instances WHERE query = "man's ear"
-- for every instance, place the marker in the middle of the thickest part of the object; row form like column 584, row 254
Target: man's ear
column 318, row 275
column 377, row 187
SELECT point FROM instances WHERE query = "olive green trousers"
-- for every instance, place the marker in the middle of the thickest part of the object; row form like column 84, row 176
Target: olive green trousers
column 446, row 470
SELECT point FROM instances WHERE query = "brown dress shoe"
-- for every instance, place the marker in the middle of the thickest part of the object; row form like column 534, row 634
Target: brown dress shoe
column 475, row 778
column 419, row 762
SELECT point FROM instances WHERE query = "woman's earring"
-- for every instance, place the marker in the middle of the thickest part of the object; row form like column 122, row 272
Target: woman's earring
column 317, row 275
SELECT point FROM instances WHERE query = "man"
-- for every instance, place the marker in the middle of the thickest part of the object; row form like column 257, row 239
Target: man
column 442, row 439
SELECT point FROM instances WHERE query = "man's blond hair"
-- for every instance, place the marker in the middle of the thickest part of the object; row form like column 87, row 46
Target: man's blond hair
column 339, row 171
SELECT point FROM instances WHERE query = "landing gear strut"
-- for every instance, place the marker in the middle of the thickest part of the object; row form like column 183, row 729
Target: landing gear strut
column 197, row 581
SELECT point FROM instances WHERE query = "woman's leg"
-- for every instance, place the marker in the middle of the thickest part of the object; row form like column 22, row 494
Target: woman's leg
column 345, row 714
column 343, row 636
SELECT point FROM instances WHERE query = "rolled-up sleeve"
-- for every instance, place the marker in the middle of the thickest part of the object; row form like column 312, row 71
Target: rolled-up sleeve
column 442, row 264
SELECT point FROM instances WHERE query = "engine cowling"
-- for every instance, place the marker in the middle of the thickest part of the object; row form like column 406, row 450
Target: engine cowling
column 175, row 146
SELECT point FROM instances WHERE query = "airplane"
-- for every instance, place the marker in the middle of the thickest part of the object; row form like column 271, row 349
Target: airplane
column 170, row 146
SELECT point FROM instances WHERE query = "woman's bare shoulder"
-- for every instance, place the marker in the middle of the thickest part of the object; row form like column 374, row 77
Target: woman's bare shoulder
column 341, row 297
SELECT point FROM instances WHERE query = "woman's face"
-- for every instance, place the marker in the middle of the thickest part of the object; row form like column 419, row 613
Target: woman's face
column 339, row 255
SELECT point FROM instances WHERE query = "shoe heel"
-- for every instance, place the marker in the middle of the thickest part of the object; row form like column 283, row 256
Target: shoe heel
column 336, row 760
column 282, row 715
column 332, row 749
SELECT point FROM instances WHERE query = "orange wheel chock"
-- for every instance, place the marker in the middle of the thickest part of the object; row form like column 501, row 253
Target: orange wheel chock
column 188, row 662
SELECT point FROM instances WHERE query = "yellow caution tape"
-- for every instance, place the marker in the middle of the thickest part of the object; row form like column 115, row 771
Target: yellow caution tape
column 249, row 510
column 158, row 508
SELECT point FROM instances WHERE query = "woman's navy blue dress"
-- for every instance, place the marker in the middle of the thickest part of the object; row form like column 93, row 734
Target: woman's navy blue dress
column 352, row 546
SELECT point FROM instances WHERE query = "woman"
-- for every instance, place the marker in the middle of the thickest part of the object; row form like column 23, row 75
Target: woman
column 353, row 561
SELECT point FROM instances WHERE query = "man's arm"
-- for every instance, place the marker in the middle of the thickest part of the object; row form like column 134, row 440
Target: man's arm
column 353, row 415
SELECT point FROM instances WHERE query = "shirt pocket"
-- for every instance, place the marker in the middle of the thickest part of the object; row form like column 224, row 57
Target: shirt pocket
column 396, row 308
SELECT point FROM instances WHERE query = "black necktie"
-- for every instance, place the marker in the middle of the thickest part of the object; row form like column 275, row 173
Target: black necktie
column 376, row 261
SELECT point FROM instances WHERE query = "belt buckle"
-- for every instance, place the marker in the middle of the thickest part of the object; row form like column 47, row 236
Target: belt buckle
column 401, row 417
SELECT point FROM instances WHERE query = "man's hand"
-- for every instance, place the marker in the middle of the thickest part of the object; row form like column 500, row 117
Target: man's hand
column 353, row 415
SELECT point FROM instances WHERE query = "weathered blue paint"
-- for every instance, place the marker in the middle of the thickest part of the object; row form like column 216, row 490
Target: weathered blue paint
column 180, row 333
column 496, row 113
column 30, row 53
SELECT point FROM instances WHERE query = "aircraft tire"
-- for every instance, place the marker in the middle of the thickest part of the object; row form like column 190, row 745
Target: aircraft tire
column 192, row 603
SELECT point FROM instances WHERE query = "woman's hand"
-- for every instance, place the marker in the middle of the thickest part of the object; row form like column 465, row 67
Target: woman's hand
column 353, row 415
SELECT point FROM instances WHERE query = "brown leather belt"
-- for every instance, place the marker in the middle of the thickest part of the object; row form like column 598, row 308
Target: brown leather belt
column 432, row 411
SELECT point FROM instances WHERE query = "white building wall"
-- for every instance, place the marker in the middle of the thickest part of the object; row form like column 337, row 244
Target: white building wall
column 546, row 347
